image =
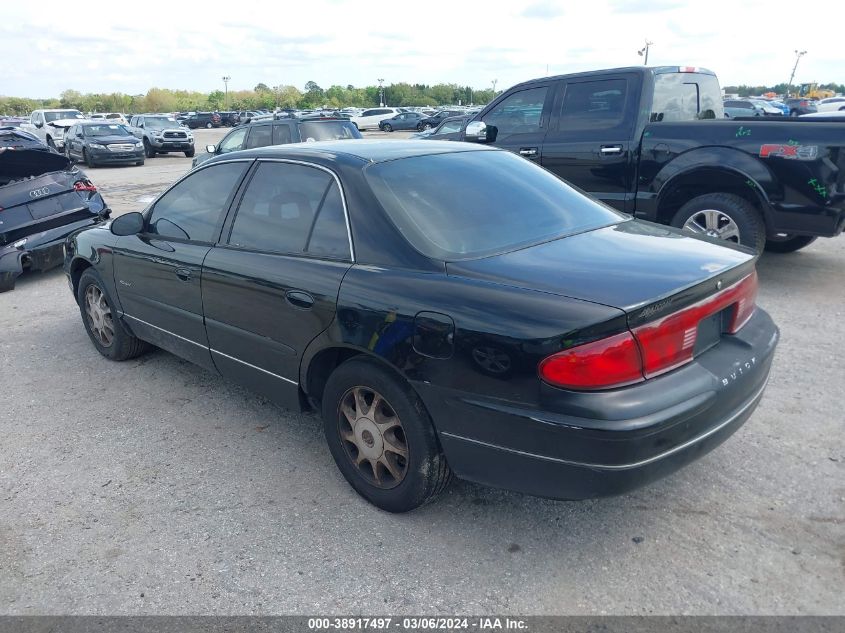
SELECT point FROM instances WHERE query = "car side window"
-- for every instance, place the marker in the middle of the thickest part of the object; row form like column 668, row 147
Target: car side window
column 260, row 136
column 594, row 105
column 281, row 134
column 450, row 126
column 233, row 142
column 519, row 113
column 194, row 208
column 283, row 211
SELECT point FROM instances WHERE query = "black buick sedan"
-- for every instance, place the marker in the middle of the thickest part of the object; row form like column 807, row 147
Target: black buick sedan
column 448, row 308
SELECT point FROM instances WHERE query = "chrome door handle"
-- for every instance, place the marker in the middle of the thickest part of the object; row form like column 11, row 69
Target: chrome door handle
column 184, row 274
column 607, row 150
column 529, row 152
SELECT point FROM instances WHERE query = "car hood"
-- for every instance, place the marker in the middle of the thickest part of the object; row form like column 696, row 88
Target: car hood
column 108, row 140
column 627, row 265
column 22, row 163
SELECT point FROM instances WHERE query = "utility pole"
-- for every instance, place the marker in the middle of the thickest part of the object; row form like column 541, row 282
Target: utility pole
column 643, row 52
column 494, row 86
column 798, row 56
column 226, row 79
column 381, row 92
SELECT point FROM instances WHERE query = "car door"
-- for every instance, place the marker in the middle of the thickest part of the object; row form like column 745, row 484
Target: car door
column 157, row 272
column 522, row 121
column 589, row 141
column 71, row 141
column 270, row 286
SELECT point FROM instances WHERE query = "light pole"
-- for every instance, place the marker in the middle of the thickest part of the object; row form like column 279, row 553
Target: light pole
column 226, row 79
column 798, row 56
column 643, row 52
column 494, row 86
column 381, row 92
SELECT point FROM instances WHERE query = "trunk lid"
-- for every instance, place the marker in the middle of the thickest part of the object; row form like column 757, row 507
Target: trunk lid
column 644, row 269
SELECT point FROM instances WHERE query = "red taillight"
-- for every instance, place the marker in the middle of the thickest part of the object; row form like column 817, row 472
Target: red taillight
column 648, row 350
column 803, row 104
column 84, row 185
column 613, row 361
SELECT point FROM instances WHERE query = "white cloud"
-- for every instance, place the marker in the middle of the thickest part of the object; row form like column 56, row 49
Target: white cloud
column 335, row 42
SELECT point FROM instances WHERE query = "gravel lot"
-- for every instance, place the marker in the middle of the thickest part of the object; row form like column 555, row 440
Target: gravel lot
column 155, row 487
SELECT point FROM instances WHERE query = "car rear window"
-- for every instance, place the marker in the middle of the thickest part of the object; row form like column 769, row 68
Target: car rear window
column 464, row 205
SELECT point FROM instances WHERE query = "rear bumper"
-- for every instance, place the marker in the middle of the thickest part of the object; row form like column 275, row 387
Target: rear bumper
column 42, row 251
column 582, row 445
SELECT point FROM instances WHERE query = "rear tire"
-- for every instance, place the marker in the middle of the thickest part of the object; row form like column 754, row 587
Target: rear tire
column 400, row 425
column 105, row 330
column 723, row 216
column 789, row 243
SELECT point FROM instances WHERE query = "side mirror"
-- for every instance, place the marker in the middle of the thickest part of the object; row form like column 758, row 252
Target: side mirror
column 210, row 149
column 480, row 132
column 128, row 224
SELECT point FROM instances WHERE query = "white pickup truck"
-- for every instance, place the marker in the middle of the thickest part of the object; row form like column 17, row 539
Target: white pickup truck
column 50, row 125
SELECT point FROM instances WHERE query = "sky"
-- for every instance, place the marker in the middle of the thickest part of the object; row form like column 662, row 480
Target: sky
column 99, row 46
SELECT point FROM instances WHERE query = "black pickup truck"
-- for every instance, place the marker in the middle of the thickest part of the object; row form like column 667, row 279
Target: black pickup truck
column 653, row 142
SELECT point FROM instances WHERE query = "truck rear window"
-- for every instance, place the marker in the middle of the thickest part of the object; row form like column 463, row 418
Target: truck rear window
column 686, row 97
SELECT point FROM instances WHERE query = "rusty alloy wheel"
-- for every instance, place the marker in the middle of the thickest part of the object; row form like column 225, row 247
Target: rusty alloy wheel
column 99, row 316
column 373, row 437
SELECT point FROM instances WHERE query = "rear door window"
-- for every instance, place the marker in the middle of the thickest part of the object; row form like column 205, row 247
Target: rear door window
column 595, row 106
column 291, row 209
column 281, row 134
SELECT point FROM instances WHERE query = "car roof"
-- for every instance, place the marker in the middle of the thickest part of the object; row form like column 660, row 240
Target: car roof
column 368, row 150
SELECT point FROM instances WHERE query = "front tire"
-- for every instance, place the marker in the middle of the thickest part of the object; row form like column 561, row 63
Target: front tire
column 426, row 126
column 86, row 158
column 788, row 243
column 104, row 329
column 190, row 153
column 387, row 127
column 51, row 143
column 382, row 438
column 149, row 152
column 208, row 126
column 723, row 216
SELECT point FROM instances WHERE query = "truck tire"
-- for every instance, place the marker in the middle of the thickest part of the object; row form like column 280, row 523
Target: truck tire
column 382, row 438
column 149, row 152
column 190, row 153
column 723, row 216
column 788, row 243
column 51, row 144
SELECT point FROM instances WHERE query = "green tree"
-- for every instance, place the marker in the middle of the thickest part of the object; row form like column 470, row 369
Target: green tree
column 261, row 87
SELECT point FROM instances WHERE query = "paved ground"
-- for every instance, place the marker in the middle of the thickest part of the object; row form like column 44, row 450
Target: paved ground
column 155, row 487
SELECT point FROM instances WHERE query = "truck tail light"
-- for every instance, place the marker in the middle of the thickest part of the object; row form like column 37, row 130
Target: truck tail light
column 651, row 349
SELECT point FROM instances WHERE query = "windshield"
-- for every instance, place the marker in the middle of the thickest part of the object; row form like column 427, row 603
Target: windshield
column 328, row 131
column 467, row 204
column 64, row 114
column 686, row 97
column 160, row 122
column 106, row 130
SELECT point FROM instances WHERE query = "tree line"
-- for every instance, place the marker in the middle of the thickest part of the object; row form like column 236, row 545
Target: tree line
column 261, row 97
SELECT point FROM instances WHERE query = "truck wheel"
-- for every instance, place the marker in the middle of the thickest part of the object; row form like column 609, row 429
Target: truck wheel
column 208, row 126
column 106, row 331
column 723, row 216
column 190, row 153
column 382, row 438
column 51, row 144
column 149, row 152
column 787, row 243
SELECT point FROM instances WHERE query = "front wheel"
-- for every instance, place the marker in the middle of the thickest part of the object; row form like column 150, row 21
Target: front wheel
column 723, row 216
column 149, row 152
column 426, row 126
column 787, row 243
column 387, row 127
column 208, row 126
column 104, row 329
column 381, row 437
column 86, row 158
column 51, row 143
column 190, row 153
